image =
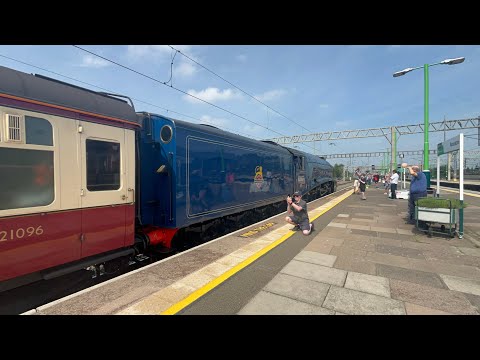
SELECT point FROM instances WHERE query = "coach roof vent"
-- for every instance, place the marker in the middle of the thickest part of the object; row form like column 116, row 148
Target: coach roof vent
column 14, row 128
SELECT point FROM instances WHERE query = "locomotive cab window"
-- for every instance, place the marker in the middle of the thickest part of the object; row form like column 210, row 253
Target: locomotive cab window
column 300, row 162
column 103, row 165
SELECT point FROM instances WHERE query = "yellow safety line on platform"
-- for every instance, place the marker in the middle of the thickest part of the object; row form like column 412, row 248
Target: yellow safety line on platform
column 458, row 192
column 214, row 283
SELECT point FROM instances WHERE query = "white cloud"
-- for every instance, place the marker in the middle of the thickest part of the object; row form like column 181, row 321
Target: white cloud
column 94, row 62
column 182, row 66
column 218, row 122
column 141, row 51
column 323, row 106
column 241, row 58
column 212, row 94
column 184, row 69
column 271, row 95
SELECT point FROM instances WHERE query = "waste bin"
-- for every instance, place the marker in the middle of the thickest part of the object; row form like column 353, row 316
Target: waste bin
column 427, row 175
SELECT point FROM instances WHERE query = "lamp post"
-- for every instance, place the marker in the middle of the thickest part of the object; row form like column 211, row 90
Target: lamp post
column 426, row 164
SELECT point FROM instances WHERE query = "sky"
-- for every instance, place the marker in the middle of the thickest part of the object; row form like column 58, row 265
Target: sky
column 270, row 91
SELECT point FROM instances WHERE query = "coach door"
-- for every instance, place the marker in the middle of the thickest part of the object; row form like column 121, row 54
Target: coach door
column 104, row 189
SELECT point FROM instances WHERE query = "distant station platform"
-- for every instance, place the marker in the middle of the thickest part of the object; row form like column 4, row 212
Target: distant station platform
column 473, row 185
column 362, row 258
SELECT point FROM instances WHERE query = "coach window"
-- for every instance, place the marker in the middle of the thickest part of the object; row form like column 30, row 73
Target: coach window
column 38, row 131
column 27, row 178
column 103, row 165
column 27, row 175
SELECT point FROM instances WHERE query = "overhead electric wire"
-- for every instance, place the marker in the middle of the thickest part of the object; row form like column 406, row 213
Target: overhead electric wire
column 253, row 97
column 182, row 91
column 173, row 87
column 110, row 91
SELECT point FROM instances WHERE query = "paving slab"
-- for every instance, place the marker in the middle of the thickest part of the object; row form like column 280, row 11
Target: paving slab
column 265, row 303
column 346, row 251
column 415, row 309
column 360, row 215
column 424, row 246
column 457, row 259
column 353, row 264
column 371, row 284
column 315, row 272
column 445, row 300
column 421, row 265
column 400, row 251
column 413, row 276
column 337, row 224
column 359, row 303
column 385, row 241
column 474, row 300
column 355, row 237
column 470, row 251
column 362, row 221
column 320, row 247
column 446, row 268
column 464, row 285
column 315, row 258
column 383, row 230
column 360, row 244
column 404, row 231
column 387, row 259
column 332, row 241
column 308, row 291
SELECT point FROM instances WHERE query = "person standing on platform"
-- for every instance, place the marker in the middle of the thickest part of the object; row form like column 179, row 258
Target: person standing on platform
column 418, row 189
column 393, row 184
column 363, row 185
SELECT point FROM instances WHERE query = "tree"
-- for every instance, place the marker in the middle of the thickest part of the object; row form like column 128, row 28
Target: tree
column 338, row 171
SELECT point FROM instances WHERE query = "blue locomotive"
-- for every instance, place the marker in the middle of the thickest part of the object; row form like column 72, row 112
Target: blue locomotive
column 193, row 174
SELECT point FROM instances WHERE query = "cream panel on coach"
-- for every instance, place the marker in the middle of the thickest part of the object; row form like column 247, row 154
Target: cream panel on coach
column 130, row 164
column 69, row 161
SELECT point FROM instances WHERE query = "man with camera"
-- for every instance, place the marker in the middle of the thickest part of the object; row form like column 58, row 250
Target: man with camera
column 297, row 213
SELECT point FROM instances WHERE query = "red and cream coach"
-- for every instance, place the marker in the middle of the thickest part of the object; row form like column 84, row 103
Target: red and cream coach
column 67, row 177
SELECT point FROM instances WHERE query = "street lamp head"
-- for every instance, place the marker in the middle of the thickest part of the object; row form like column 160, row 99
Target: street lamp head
column 402, row 72
column 453, row 61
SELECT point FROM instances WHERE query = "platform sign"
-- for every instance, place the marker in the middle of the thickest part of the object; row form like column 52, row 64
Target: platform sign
column 454, row 144
column 448, row 146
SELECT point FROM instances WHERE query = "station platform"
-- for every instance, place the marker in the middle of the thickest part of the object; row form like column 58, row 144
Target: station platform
column 473, row 185
column 361, row 259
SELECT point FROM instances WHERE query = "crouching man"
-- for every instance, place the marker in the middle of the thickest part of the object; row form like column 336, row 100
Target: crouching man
column 297, row 213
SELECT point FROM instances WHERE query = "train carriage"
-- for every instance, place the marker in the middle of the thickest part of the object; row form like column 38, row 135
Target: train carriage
column 67, row 174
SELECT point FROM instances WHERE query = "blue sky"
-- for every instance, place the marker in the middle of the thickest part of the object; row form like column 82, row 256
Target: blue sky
column 315, row 88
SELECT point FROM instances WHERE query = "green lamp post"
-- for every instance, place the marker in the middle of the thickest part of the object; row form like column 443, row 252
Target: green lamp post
column 426, row 164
